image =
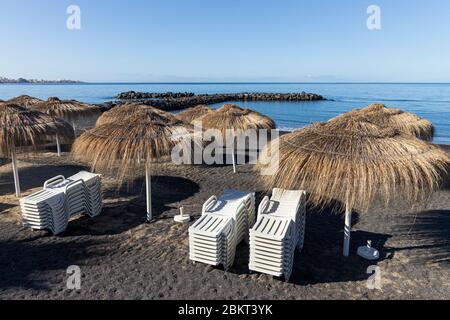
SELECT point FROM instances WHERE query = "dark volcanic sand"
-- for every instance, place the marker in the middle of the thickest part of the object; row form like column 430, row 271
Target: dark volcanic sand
column 122, row 258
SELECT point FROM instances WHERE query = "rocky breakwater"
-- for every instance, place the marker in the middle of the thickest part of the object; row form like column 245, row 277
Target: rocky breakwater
column 132, row 95
column 177, row 101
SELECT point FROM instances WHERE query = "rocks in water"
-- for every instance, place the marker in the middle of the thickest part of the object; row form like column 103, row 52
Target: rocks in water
column 177, row 101
column 149, row 95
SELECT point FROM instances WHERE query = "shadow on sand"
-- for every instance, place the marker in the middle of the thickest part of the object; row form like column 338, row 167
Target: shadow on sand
column 33, row 177
column 321, row 260
column 24, row 263
column 446, row 185
column 430, row 233
column 5, row 206
column 124, row 215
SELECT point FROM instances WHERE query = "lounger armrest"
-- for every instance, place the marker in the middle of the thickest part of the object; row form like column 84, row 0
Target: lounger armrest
column 208, row 204
column 241, row 207
column 54, row 180
column 70, row 185
column 263, row 205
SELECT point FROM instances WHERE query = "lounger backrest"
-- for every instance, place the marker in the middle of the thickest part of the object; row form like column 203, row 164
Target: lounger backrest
column 230, row 203
column 287, row 202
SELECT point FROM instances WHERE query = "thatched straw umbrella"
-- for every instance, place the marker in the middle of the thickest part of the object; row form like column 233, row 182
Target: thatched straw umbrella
column 69, row 110
column 120, row 112
column 231, row 117
column 21, row 127
column 393, row 118
column 191, row 114
column 354, row 162
column 141, row 138
column 25, row 101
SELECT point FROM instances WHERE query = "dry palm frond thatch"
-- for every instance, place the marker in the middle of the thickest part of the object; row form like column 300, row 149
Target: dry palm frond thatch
column 233, row 122
column 25, row 101
column 354, row 161
column 138, row 139
column 120, row 112
column 22, row 127
column 233, row 117
column 393, row 118
column 191, row 114
column 69, row 110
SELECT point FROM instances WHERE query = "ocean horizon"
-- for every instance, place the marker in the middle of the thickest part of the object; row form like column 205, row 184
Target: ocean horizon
column 428, row 100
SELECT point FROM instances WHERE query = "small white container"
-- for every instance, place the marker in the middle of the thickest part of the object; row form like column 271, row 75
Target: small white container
column 368, row 253
column 182, row 218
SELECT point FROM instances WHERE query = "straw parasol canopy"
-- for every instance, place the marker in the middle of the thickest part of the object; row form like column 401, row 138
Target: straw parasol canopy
column 69, row 110
column 25, row 101
column 394, row 118
column 354, row 162
column 120, row 112
column 231, row 119
column 231, row 116
column 22, row 127
column 191, row 114
column 139, row 139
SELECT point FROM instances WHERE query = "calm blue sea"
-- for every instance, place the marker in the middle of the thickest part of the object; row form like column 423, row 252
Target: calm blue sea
column 431, row 101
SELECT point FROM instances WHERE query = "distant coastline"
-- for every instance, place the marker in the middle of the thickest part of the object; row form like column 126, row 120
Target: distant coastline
column 4, row 80
column 125, row 83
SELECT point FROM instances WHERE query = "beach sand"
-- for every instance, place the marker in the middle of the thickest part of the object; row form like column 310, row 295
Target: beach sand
column 122, row 258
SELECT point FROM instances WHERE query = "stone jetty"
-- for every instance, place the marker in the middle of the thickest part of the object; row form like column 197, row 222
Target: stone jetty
column 178, row 101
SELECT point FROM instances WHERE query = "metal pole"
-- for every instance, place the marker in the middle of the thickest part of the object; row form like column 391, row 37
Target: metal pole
column 234, row 160
column 15, row 170
column 74, row 128
column 58, row 146
column 347, row 230
column 148, row 187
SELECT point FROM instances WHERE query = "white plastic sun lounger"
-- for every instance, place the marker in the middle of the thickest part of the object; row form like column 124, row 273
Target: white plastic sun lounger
column 45, row 210
column 82, row 191
column 279, row 230
column 224, row 224
column 61, row 198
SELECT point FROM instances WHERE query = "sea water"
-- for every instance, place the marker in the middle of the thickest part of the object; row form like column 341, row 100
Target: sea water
column 431, row 101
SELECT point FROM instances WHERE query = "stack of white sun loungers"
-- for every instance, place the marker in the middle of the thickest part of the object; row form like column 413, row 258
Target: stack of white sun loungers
column 278, row 231
column 224, row 224
column 61, row 198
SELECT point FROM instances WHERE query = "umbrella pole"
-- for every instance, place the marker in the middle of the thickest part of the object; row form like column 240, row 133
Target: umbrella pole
column 15, row 170
column 58, row 146
column 347, row 230
column 234, row 160
column 74, row 129
column 148, row 192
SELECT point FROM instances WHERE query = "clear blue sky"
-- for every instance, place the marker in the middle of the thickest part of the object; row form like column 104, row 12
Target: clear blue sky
column 226, row 40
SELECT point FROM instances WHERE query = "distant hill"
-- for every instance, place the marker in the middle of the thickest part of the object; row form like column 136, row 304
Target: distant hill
column 25, row 81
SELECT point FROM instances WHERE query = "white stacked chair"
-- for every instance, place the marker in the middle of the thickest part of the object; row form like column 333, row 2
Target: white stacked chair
column 280, row 229
column 224, row 224
column 45, row 210
column 82, row 191
column 60, row 199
